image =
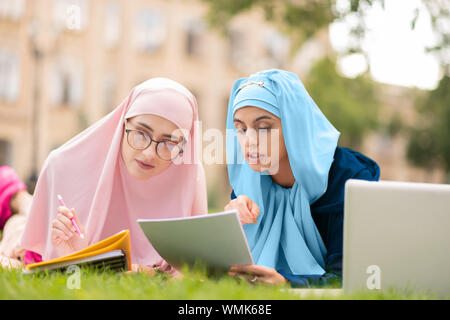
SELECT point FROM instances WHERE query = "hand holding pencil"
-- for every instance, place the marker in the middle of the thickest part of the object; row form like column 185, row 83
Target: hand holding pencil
column 67, row 233
column 74, row 223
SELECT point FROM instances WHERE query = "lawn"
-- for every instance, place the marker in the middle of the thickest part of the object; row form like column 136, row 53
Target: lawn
column 194, row 286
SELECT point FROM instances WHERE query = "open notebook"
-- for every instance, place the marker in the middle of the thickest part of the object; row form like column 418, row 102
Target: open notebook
column 113, row 253
column 216, row 240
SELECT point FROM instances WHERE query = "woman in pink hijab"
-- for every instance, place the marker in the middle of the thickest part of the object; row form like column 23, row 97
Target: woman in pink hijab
column 14, row 203
column 139, row 161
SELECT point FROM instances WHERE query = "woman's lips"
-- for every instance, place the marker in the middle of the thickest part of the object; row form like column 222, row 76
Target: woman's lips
column 254, row 157
column 144, row 166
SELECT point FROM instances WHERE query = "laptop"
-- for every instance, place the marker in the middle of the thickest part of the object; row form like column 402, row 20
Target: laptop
column 397, row 235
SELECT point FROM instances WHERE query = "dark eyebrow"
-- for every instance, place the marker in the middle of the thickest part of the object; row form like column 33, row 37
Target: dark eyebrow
column 169, row 136
column 263, row 118
column 256, row 120
column 145, row 126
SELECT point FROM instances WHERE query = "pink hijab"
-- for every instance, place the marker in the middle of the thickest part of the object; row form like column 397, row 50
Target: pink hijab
column 89, row 172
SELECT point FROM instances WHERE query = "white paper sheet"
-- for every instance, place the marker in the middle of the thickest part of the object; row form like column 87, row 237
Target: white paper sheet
column 217, row 240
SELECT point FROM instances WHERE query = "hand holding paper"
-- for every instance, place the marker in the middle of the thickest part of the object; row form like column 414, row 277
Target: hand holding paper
column 248, row 210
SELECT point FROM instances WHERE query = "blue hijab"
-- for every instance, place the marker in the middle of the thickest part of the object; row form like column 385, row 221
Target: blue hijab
column 285, row 237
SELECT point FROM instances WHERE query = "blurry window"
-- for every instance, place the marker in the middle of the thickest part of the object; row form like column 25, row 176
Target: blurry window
column 67, row 83
column 150, row 30
column 5, row 152
column 195, row 29
column 277, row 49
column 12, row 9
column 113, row 21
column 9, row 76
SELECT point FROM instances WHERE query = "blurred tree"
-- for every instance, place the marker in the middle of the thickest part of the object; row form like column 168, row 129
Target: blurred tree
column 439, row 11
column 429, row 144
column 395, row 125
column 340, row 98
column 301, row 19
column 351, row 105
column 429, row 139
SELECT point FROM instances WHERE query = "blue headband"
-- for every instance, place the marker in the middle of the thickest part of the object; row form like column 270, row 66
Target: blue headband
column 256, row 94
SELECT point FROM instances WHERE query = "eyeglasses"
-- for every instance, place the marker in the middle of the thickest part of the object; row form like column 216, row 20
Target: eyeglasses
column 139, row 140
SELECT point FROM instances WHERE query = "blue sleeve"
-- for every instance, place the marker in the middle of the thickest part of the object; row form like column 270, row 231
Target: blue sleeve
column 330, row 223
column 335, row 236
column 335, row 228
column 329, row 279
column 368, row 174
column 233, row 196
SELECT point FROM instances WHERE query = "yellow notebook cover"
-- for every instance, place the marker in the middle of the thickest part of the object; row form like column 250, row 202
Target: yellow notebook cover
column 120, row 241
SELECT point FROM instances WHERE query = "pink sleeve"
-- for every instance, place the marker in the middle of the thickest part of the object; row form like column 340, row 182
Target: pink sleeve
column 10, row 183
column 32, row 257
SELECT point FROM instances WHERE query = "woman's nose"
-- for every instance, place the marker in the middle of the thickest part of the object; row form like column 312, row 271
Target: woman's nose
column 251, row 138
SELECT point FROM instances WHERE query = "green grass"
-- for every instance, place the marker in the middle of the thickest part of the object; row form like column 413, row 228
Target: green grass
column 194, row 286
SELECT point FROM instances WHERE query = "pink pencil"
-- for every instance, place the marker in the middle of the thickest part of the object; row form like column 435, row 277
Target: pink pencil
column 74, row 223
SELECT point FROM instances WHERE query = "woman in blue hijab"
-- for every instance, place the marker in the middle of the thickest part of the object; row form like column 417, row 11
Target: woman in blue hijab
column 283, row 160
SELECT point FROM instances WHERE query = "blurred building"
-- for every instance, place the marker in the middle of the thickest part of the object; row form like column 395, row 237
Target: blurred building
column 66, row 63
